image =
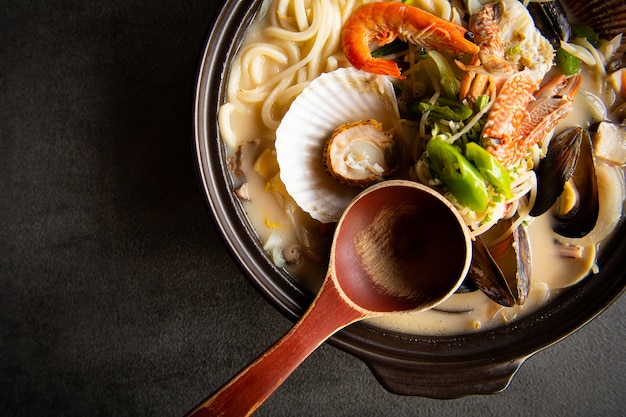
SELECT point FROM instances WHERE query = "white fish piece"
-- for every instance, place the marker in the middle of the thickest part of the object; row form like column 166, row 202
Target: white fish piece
column 335, row 98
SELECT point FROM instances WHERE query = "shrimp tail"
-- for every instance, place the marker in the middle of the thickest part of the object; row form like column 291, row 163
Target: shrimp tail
column 382, row 66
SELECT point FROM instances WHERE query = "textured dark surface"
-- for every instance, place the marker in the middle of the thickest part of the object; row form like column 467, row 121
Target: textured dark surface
column 117, row 296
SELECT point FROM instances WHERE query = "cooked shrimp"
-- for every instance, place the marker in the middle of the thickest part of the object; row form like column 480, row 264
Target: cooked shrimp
column 383, row 22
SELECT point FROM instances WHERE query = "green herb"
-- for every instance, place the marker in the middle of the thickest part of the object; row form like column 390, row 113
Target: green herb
column 481, row 101
column 567, row 63
column 391, row 48
column 584, row 31
column 446, row 109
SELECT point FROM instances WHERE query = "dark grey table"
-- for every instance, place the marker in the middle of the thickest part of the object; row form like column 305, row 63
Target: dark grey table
column 117, row 296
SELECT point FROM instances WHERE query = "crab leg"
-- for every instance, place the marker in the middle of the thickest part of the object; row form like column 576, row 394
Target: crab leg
column 516, row 122
column 489, row 65
column 473, row 84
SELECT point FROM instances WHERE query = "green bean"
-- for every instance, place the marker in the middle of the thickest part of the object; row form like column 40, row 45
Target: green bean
column 584, row 31
column 490, row 168
column 459, row 176
column 567, row 63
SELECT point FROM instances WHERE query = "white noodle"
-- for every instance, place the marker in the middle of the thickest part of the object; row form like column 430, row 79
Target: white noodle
column 301, row 42
column 223, row 119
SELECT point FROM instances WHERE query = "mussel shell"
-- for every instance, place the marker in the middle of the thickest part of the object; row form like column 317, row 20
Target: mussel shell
column 582, row 219
column 467, row 286
column 505, row 287
column 485, row 274
column 551, row 19
column 556, row 168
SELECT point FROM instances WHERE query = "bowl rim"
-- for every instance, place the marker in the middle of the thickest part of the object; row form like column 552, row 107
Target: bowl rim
column 507, row 346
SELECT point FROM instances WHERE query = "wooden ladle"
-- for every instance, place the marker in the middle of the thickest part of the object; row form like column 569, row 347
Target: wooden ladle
column 399, row 247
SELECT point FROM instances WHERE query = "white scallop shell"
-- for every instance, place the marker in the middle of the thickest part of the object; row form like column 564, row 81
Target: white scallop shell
column 334, row 98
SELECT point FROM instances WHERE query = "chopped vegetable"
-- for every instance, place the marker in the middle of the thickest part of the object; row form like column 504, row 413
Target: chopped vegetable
column 490, row 168
column 266, row 164
column 445, row 74
column 458, row 175
column 515, row 50
column 481, row 101
column 584, row 31
column 391, row 48
column 446, row 109
column 581, row 51
column 567, row 63
column 617, row 80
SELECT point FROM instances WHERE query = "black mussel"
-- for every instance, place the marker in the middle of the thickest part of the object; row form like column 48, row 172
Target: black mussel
column 485, row 274
column 551, row 19
column 503, row 271
column 583, row 215
column 466, row 286
column 556, row 168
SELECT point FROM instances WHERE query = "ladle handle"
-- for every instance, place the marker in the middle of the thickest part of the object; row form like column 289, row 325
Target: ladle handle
column 243, row 394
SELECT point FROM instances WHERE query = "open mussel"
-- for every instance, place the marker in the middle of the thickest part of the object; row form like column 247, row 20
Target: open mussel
column 579, row 219
column 551, row 20
column 556, row 168
column 567, row 181
column 501, row 267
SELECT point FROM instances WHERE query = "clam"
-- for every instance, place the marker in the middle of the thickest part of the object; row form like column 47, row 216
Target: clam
column 501, row 264
column 332, row 100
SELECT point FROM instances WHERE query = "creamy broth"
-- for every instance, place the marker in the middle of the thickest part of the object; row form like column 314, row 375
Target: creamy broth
column 300, row 244
column 551, row 272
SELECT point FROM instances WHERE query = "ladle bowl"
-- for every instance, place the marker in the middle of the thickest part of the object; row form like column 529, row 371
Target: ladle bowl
column 399, row 247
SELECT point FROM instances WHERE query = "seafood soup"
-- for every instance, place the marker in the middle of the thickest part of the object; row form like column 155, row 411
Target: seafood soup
column 517, row 119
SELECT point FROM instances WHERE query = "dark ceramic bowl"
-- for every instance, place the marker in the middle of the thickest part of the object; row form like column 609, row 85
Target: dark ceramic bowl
column 438, row 366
